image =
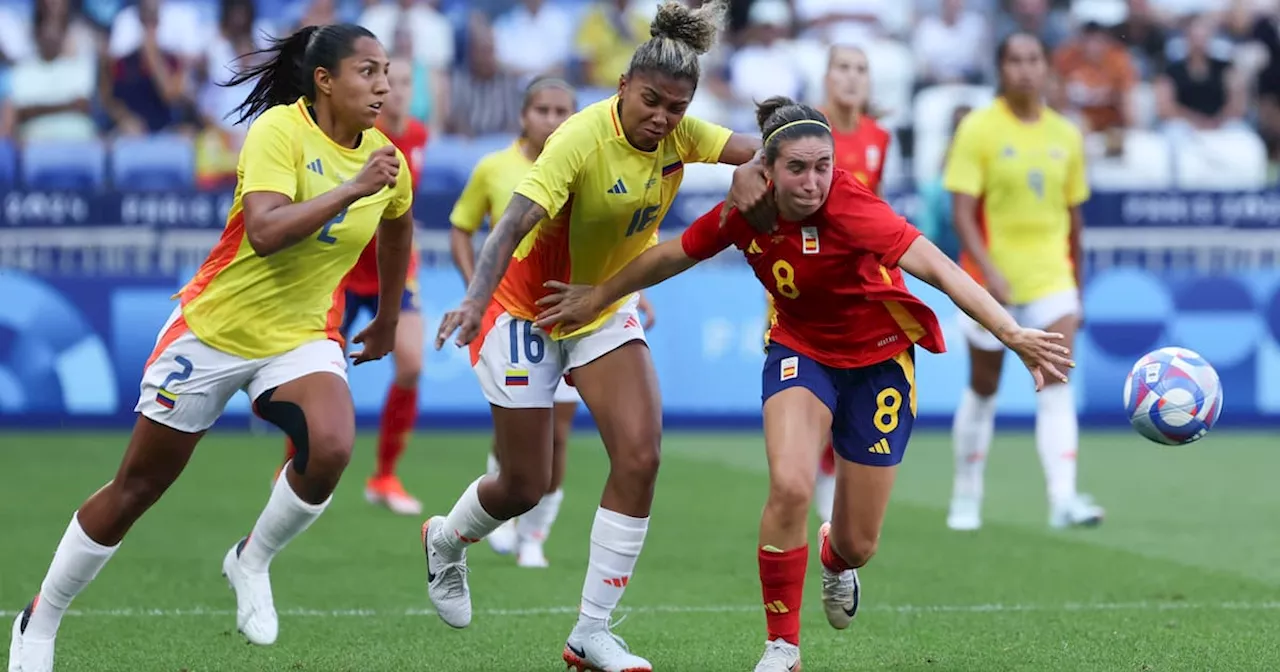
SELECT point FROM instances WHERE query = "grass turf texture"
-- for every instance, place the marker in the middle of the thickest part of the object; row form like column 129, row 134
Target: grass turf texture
column 1182, row 576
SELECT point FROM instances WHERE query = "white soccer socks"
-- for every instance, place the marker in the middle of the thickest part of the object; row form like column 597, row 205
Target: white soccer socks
column 285, row 517
column 75, row 564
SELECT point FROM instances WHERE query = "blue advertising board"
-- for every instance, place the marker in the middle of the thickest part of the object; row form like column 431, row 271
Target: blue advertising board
column 72, row 346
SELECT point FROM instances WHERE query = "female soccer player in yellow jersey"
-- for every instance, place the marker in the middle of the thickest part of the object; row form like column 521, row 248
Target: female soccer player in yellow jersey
column 548, row 101
column 1017, row 176
column 589, row 205
column 315, row 181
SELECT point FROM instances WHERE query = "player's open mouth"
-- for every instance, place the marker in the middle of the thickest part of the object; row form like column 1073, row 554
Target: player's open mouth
column 376, row 107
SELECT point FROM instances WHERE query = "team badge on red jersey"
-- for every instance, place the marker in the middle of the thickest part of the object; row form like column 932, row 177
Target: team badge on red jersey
column 809, row 239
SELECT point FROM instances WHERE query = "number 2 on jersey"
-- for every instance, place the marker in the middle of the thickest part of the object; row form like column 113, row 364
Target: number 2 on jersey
column 1035, row 181
column 327, row 237
column 784, row 274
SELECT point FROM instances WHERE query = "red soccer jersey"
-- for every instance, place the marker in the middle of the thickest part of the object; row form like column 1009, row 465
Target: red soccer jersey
column 862, row 151
column 838, row 292
column 363, row 278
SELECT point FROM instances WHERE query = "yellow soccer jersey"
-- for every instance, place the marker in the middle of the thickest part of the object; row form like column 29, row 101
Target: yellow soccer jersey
column 1027, row 177
column 492, row 182
column 254, row 307
column 604, row 199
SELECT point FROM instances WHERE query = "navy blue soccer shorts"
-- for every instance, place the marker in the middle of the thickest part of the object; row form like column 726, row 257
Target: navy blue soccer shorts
column 873, row 408
column 357, row 302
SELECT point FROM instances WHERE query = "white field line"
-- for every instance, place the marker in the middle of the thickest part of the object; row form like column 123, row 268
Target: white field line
column 704, row 609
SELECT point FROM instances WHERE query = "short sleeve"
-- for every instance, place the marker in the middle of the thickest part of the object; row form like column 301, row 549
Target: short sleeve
column 872, row 224
column 555, row 173
column 964, row 173
column 1077, row 175
column 268, row 160
column 469, row 211
column 705, row 238
column 699, row 141
column 402, row 194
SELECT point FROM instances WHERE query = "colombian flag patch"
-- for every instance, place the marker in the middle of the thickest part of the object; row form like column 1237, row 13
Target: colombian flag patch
column 517, row 377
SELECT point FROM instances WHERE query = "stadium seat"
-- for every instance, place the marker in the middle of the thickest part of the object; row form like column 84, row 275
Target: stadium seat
column 931, row 118
column 64, row 166
column 153, row 163
column 892, row 80
column 1145, row 165
column 8, row 165
column 1222, row 160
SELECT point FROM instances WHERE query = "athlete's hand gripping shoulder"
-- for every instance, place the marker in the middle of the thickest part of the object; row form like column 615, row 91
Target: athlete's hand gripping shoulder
column 515, row 223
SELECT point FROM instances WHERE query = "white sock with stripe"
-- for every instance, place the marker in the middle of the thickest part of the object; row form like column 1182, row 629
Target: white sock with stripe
column 616, row 540
column 535, row 524
column 971, row 431
column 1057, row 439
column 75, row 564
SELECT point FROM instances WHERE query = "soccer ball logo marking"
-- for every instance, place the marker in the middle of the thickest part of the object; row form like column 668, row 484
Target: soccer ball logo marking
column 1173, row 396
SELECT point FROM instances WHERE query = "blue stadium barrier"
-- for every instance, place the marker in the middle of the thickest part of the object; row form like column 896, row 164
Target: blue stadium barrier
column 8, row 165
column 153, row 163
column 64, row 166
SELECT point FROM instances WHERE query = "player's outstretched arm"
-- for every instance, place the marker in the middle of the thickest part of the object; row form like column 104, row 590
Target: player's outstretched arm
column 515, row 223
column 572, row 306
column 1040, row 351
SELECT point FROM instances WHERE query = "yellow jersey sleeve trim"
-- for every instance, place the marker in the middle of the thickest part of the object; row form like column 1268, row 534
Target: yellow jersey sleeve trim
column 471, row 206
column 268, row 161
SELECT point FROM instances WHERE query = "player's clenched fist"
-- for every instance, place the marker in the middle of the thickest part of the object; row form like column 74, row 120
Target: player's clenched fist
column 379, row 171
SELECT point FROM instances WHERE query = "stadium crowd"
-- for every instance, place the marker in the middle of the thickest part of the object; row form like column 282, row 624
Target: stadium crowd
column 1127, row 71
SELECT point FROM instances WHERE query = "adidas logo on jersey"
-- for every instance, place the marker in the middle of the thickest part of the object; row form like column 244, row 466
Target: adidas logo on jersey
column 618, row 187
column 880, row 447
column 316, row 167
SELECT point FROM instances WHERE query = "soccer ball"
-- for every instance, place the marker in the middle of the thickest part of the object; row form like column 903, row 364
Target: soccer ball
column 1173, row 396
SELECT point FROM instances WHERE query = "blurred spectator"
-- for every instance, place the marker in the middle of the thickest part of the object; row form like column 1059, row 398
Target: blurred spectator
column 178, row 30
column 145, row 91
column 861, row 145
column 1267, row 32
column 933, row 216
column 431, row 33
column 1035, row 17
column 429, row 93
column 482, row 98
column 1200, row 91
column 6, row 105
column 534, row 38
column 846, row 21
column 218, row 144
column 762, row 66
column 319, row 13
column 51, row 91
column 1145, row 38
column 950, row 46
column 17, row 34
column 1095, row 75
column 408, row 134
column 609, row 34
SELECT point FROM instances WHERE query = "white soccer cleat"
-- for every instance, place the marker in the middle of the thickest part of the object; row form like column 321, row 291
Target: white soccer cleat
column 599, row 650
column 779, row 656
column 530, row 554
column 503, row 540
column 446, row 578
column 824, row 496
column 255, row 609
column 965, row 514
column 840, row 591
column 1078, row 511
column 25, row 653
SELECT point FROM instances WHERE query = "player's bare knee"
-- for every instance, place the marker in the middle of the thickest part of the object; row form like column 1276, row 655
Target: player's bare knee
column 135, row 493
column 789, row 495
column 984, row 382
column 523, row 488
column 638, row 463
column 854, row 545
column 408, row 369
column 330, row 444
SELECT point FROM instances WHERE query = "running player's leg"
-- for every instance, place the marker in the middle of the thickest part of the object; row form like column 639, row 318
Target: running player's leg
column 304, row 392
column 399, row 412
column 630, row 420
column 1057, row 427
column 503, row 540
column 974, row 424
column 534, row 527
column 799, row 396
column 352, row 305
column 824, row 489
column 873, row 421
column 184, row 389
column 518, row 367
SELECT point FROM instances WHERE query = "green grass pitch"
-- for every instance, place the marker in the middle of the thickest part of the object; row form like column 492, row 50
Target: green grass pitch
column 1182, row 576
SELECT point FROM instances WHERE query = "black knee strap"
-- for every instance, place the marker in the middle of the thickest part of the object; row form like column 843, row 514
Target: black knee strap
column 289, row 417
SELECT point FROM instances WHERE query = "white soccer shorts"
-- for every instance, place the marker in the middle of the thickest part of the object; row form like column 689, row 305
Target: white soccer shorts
column 519, row 366
column 187, row 384
column 1037, row 314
